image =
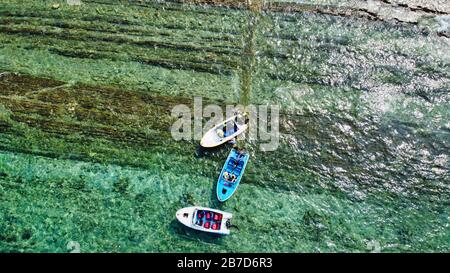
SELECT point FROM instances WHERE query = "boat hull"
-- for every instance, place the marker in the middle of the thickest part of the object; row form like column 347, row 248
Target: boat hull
column 235, row 164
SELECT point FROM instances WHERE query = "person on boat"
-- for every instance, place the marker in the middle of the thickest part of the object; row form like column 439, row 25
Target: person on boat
column 226, row 175
column 233, row 178
column 220, row 133
column 224, row 130
column 235, row 127
column 224, row 133
column 229, row 177
column 246, row 118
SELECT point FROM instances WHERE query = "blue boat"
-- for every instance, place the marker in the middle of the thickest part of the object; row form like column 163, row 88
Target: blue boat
column 231, row 174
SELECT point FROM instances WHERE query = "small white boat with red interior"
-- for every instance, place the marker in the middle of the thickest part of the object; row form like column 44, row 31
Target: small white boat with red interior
column 205, row 219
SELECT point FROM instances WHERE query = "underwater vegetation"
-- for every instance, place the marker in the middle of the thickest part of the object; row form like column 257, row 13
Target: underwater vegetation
column 86, row 154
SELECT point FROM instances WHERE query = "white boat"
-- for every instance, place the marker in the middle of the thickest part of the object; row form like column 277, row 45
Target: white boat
column 205, row 219
column 212, row 139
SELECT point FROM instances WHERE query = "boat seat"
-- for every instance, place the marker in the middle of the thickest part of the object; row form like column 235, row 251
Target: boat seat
column 217, row 217
column 229, row 184
column 209, row 215
column 228, row 133
column 207, row 225
column 200, row 214
column 215, row 226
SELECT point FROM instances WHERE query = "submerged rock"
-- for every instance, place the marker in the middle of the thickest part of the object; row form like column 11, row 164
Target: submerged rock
column 74, row 2
column 444, row 25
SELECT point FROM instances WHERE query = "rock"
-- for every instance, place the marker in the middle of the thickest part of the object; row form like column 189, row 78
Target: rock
column 444, row 25
column 55, row 6
column 74, row 2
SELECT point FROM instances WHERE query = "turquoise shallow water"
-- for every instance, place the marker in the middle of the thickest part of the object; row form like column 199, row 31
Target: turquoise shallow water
column 362, row 164
column 101, row 218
